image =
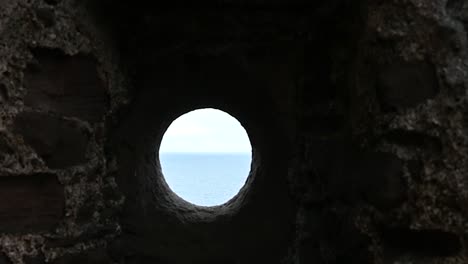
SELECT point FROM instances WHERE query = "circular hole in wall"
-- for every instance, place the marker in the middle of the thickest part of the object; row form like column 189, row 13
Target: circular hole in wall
column 205, row 157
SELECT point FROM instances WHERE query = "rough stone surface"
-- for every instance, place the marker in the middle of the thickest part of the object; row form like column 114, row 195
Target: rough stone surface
column 58, row 82
column 399, row 171
column 357, row 111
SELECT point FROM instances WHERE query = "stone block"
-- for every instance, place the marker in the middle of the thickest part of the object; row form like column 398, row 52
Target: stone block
column 30, row 202
column 404, row 85
column 60, row 143
column 68, row 85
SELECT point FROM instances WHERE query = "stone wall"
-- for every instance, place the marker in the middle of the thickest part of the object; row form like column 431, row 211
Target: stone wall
column 356, row 110
column 59, row 83
column 384, row 180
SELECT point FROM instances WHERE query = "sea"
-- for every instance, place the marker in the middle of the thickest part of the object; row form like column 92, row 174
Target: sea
column 205, row 179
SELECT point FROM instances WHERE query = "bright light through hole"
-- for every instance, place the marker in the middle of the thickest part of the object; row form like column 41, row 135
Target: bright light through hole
column 205, row 157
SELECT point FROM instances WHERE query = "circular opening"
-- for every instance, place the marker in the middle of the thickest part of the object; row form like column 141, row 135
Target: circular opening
column 205, row 157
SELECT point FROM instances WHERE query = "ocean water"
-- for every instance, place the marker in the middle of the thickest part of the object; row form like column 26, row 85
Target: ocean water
column 205, row 179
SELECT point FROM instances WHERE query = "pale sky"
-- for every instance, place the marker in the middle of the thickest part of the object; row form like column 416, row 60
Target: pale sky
column 205, row 130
